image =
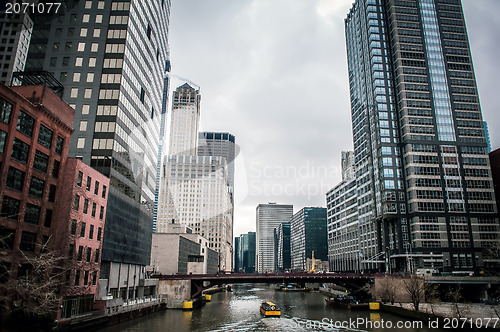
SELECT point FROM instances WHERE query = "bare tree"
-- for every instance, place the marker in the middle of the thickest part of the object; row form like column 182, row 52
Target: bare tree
column 386, row 290
column 415, row 288
column 34, row 291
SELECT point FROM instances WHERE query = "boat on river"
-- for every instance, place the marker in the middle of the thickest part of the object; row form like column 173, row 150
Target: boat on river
column 269, row 309
column 292, row 287
column 346, row 302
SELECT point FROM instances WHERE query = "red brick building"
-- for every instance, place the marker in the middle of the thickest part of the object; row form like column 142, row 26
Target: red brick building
column 82, row 203
column 35, row 130
column 48, row 200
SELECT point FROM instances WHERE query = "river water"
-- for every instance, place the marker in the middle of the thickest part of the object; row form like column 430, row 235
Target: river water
column 239, row 311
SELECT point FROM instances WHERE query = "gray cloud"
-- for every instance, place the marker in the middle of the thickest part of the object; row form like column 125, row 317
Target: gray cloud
column 274, row 74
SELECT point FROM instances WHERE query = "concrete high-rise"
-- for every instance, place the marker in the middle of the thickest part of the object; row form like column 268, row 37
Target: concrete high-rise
column 342, row 221
column 112, row 57
column 15, row 37
column 268, row 217
column 185, row 121
column 195, row 188
column 425, row 194
column 219, row 145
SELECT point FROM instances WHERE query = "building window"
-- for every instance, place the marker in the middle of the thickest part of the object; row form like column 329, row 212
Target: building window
column 15, row 179
column 80, row 253
column 5, row 110
column 71, row 251
column 78, row 61
column 41, row 161
column 77, row 277
column 83, row 32
column 89, row 254
column 76, row 78
column 80, row 179
column 94, row 208
column 36, row 187
column 28, row 241
column 142, row 96
column 32, row 214
column 76, row 205
column 10, row 208
column 103, row 191
column 85, row 206
column 82, row 230
column 96, row 187
column 45, row 136
column 20, row 151
column 55, row 169
column 91, row 232
column 52, row 193
column 25, row 124
column 81, row 47
column 101, row 213
column 99, row 233
column 48, row 218
column 73, row 226
column 3, row 139
column 94, row 278
column 89, row 183
column 80, row 143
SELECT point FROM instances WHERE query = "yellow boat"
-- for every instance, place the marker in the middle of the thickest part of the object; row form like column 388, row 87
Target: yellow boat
column 269, row 309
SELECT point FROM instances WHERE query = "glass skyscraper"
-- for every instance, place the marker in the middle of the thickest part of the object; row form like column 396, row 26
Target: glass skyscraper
column 424, row 190
column 111, row 57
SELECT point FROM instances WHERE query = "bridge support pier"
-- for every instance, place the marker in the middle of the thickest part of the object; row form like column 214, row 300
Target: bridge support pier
column 174, row 292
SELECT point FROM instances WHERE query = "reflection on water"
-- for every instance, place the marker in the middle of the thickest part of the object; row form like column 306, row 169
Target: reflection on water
column 239, row 311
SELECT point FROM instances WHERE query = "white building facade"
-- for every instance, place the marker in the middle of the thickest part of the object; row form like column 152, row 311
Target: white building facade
column 268, row 217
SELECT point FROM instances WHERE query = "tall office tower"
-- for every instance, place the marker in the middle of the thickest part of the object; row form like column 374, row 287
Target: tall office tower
column 246, row 253
column 342, row 222
column 195, row 192
column 308, row 233
column 15, row 36
column 424, row 184
column 282, row 246
column 219, row 145
column 268, row 217
column 194, row 189
column 185, row 121
column 111, row 57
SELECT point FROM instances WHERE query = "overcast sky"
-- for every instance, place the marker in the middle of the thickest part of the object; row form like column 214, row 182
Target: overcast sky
column 274, row 74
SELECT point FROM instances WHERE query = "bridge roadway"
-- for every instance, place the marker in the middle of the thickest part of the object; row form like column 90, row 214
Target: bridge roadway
column 200, row 282
column 351, row 281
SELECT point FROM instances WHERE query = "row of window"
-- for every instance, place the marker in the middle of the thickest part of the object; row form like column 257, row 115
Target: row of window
column 25, row 125
column 80, row 254
column 83, row 230
column 11, row 207
column 76, row 207
column 88, row 185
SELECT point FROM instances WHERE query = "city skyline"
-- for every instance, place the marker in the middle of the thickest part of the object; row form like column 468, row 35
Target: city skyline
column 283, row 140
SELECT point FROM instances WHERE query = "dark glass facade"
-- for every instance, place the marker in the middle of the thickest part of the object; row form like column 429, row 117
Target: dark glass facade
column 111, row 57
column 308, row 233
column 282, row 247
column 425, row 194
